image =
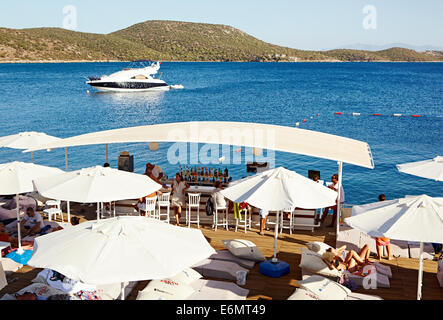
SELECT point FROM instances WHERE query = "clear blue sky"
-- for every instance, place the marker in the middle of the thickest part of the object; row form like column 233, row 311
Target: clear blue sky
column 314, row 24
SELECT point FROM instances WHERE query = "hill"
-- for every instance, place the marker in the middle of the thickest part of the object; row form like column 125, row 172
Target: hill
column 176, row 41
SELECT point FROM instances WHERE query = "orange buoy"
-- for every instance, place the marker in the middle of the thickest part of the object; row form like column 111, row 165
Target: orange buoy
column 318, row 114
column 304, row 120
column 377, row 114
column 338, row 113
column 416, row 115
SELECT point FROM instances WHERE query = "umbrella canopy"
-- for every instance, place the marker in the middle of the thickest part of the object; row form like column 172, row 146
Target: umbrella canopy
column 280, row 189
column 26, row 140
column 96, row 184
column 120, row 249
column 414, row 218
column 430, row 169
column 16, row 177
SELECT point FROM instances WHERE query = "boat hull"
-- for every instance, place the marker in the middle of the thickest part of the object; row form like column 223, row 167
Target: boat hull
column 128, row 86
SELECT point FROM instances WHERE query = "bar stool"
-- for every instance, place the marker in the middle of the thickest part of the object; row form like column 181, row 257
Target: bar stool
column 193, row 202
column 290, row 223
column 224, row 222
column 247, row 221
column 149, row 207
column 163, row 202
column 52, row 208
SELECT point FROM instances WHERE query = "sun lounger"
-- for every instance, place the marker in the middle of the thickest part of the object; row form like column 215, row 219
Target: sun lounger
column 10, row 265
column 399, row 249
column 217, row 290
column 225, row 255
column 382, row 280
column 218, row 269
column 3, row 282
column 361, row 296
column 40, row 289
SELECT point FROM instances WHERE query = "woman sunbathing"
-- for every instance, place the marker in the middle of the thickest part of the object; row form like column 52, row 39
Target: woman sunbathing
column 351, row 262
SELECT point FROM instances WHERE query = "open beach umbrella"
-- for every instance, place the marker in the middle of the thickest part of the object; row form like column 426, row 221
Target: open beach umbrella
column 413, row 218
column 120, row 249
column 16, row 177
column 280, row 189
column 26, row 140
column 96, row 184
column 430, row 169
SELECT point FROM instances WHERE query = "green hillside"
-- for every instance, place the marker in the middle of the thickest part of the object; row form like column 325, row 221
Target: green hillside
column 176, row 41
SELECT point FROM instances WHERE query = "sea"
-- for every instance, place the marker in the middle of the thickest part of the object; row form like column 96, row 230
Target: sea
column 53, row 98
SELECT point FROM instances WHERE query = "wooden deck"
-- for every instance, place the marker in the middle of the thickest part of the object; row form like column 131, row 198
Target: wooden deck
column 403, row 282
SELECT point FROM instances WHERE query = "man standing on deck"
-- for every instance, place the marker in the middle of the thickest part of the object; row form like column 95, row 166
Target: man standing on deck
column 334, row 186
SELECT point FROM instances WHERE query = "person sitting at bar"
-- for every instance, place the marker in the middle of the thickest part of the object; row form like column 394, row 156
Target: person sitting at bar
column 155, row 170
column 178, row 199
column 335, row 259
column 334, row 186
column 383, row 242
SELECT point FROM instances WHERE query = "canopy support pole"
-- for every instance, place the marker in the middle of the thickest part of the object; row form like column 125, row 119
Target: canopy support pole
column 20, row 249
column 66, row 159
column 340, row 174
column 420, row 272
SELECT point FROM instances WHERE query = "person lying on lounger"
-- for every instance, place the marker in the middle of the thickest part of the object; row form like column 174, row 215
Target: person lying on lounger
column 351, row 262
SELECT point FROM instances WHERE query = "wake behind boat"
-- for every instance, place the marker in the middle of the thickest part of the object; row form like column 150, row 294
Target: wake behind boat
column 131, row 79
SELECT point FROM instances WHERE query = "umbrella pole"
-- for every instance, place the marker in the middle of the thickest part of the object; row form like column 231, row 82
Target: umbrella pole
column 32, row 156
column 68, row 204
column 420, row 272
column 123, row 291
column 275, row 260
column 20, row 249
column 340, row 173
column 98, row 211
column 66, row 159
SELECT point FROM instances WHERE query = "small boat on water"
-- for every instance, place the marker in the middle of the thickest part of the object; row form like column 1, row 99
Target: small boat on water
column 131, row 79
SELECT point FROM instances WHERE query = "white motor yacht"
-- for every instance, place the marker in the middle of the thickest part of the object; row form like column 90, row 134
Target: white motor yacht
column 131, row 79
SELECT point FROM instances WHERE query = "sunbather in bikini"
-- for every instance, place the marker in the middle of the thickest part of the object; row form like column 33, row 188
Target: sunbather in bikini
column 351, row 262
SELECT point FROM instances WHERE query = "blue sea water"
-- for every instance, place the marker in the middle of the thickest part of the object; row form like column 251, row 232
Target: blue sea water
column 52, row 98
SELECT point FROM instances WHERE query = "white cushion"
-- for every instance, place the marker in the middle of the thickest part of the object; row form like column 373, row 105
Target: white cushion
column 318, row 247
column 165, row 289
column 324, row 288
column 187, row 276
column 314, row 263
column 244, row 249
column 302, row 294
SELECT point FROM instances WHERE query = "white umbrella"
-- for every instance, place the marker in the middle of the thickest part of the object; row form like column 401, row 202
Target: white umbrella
column 16, row 177
column 430, row 169
column 414, row 218
column 26, row 140
column 96, row 184
column 280, row 189
column 120, row 249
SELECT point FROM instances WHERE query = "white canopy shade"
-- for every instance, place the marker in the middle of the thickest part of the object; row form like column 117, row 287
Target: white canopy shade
column 254, row 135
column 16, row 177
column 280, row 189
column 430, row 169
column 120, row 249
column 96, row 184
column 414, row 218
column 26, row 140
